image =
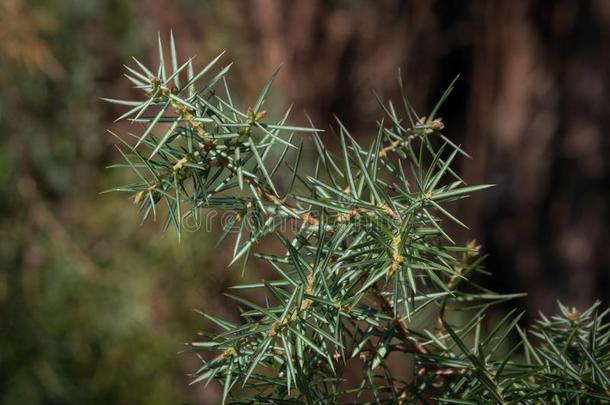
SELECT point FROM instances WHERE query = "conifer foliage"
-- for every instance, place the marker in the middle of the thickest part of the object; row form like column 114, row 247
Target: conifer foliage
column 372, row 301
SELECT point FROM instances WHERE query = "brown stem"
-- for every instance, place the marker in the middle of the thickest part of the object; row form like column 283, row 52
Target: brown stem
column 401, row 324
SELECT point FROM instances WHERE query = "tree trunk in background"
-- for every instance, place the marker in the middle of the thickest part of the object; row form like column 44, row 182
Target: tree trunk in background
column 531, row 106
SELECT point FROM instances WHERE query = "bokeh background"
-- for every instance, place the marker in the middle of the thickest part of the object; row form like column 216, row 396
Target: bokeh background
column 95, row 308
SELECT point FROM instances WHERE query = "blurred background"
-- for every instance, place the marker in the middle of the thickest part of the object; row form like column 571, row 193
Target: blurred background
column 95, row 308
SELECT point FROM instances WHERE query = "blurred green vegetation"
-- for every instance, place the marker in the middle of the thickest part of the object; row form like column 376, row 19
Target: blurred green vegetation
column 92, row 309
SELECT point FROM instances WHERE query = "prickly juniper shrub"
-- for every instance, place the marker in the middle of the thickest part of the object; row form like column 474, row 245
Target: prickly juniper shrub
column 372, row 300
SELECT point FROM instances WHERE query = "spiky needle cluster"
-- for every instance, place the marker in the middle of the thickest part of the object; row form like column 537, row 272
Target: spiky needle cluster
column 372, row 300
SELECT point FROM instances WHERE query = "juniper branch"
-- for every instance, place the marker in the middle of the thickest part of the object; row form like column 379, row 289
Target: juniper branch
column 368, row 269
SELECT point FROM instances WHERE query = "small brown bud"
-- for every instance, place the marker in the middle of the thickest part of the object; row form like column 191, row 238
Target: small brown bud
column 437, row 124
column 260, row 115
column 139, row 197
column 574, row 315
